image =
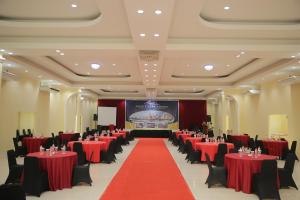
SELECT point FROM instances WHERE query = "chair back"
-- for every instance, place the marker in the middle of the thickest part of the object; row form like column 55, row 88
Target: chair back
column 48, row 143
column 290, row 162
column 29, row 131
column 52, row 134
column 256, row 137
column 84, row 136
column 210, row 133
column 11, row 158
column 229, row 138
column 209, row 165
column 269, row 171
column 32, row 173
column 77, row 147
column 222, row 149
column 15, row 140
column 17, row 133
column 224, row 136
column 12, row 192
column 251, row 143
column 294, row 146
column 24, row 132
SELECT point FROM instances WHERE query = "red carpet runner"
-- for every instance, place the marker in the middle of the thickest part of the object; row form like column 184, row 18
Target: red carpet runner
column 149, row 173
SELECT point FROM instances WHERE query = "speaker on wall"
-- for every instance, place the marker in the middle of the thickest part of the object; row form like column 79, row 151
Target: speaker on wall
column 95, row 117
column 208, row 118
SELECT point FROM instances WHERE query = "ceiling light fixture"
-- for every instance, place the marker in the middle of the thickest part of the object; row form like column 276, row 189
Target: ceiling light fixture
column 61, row 54
column 146, row 70
column 243, row 52
column 10, row 53
column 226, row 7
column 293, row 56
column 156, row 35
column 146, row 64
column 114, row 64
column 74, row 5
column 76, row 64
column 238, row 56
column 154, row 70
column 157, row 12
column 57, row 51
column 95, row 66
column 2, row 50
column 26, row 71
column 140, row 11
column 155, row 64
column 154, row 76
column 227, row 65
column 208, row 67
column 142, row 34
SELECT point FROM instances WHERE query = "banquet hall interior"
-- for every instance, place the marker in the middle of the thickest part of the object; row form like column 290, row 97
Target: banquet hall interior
column 140, row 99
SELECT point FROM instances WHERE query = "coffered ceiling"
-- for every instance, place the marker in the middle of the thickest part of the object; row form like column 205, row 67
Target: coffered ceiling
column 156, row 49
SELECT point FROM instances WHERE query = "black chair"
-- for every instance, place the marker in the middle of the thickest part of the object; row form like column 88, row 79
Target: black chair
column 35, row 181
column 219, row 157
column 180, row 144
column 24, row 132
column 229, row 139
column 210, row 133
column 18, row 136
column 57, row 142
column 260, row 144
column 29, row 132
column 49, row 142
column 75, row 137
column 12, row 192
column 192, row 155
column 53, row 136
column 286, row 173
column 256, row 137
column 15, row 170
column 251, row 144
column 108, row 156
column 84, row 136
column 118, row 147
column 77, row 147
column 265, row 182
column 225, row 137
column 81, row 173
column 216, row 174
column 293, row 149
column 19, row 150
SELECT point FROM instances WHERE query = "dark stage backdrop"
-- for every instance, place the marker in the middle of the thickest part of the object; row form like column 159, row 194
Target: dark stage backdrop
column 191, row 112
column 120, row 105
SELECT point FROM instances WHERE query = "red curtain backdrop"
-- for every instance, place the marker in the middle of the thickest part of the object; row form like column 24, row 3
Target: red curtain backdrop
column 191, row 112
column 120, row 105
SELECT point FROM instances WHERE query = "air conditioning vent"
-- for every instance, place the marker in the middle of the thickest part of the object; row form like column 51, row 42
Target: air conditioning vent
column 149, row 55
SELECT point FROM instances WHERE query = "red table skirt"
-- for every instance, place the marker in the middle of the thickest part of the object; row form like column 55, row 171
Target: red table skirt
column 244, row 139
column 241, row 170
column 275, row 147
column 33, row 144
column 211, row 148
column 59, row 168
column 89, row 147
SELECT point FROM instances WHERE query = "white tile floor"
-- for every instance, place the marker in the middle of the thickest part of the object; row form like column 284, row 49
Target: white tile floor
column 195, row 176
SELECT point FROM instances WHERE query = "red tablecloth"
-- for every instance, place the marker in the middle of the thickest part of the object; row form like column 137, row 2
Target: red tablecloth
column 107, row 140
column 89, row 147
column 117, row 134
column 241, row 169
column 59, row 168
column 66, row 136
column 275, row 147
column 184, row 135
column 211, row 148
column 244, row 139
column 33, row 144
column 193, row 140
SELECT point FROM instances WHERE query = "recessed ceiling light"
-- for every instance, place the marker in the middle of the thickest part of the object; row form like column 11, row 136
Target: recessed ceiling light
column 299, row 61
column 146, row 64
column 294, row 67
column 76, row 64
column 140, row 11
column 10, row 53
column 74, row 5
column 154, row 70
column 227, row 65
column 81, row 98
column 2, row 50
column 9, row 64
column 226, row 7
column 293, row 56
column 142, row 34
column 158, row 12
column 114, row 64
column 147, row 80
column 153, row 80
column 95, row 66
column 156, row 35
column 146, row 70
column 242, row 52
column 155, row 64
column 238, row 56
column 57, row 51
column 26, row 71
column 154, row 76
column 208, row 67
column 147, row 75
column 61, row 54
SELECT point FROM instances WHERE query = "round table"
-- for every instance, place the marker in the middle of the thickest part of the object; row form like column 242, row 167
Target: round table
column 241, row 168
column 244, row 139
column 89, row 147
column 33, row 143
column 211, row 148
column 275, row 147
column 59, row 167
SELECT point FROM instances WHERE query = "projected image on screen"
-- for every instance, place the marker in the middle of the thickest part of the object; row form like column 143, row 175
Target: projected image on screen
column 152, row 114
column 107, row 116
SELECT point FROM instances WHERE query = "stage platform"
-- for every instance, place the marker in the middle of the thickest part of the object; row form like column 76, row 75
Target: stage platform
column 151, row 133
